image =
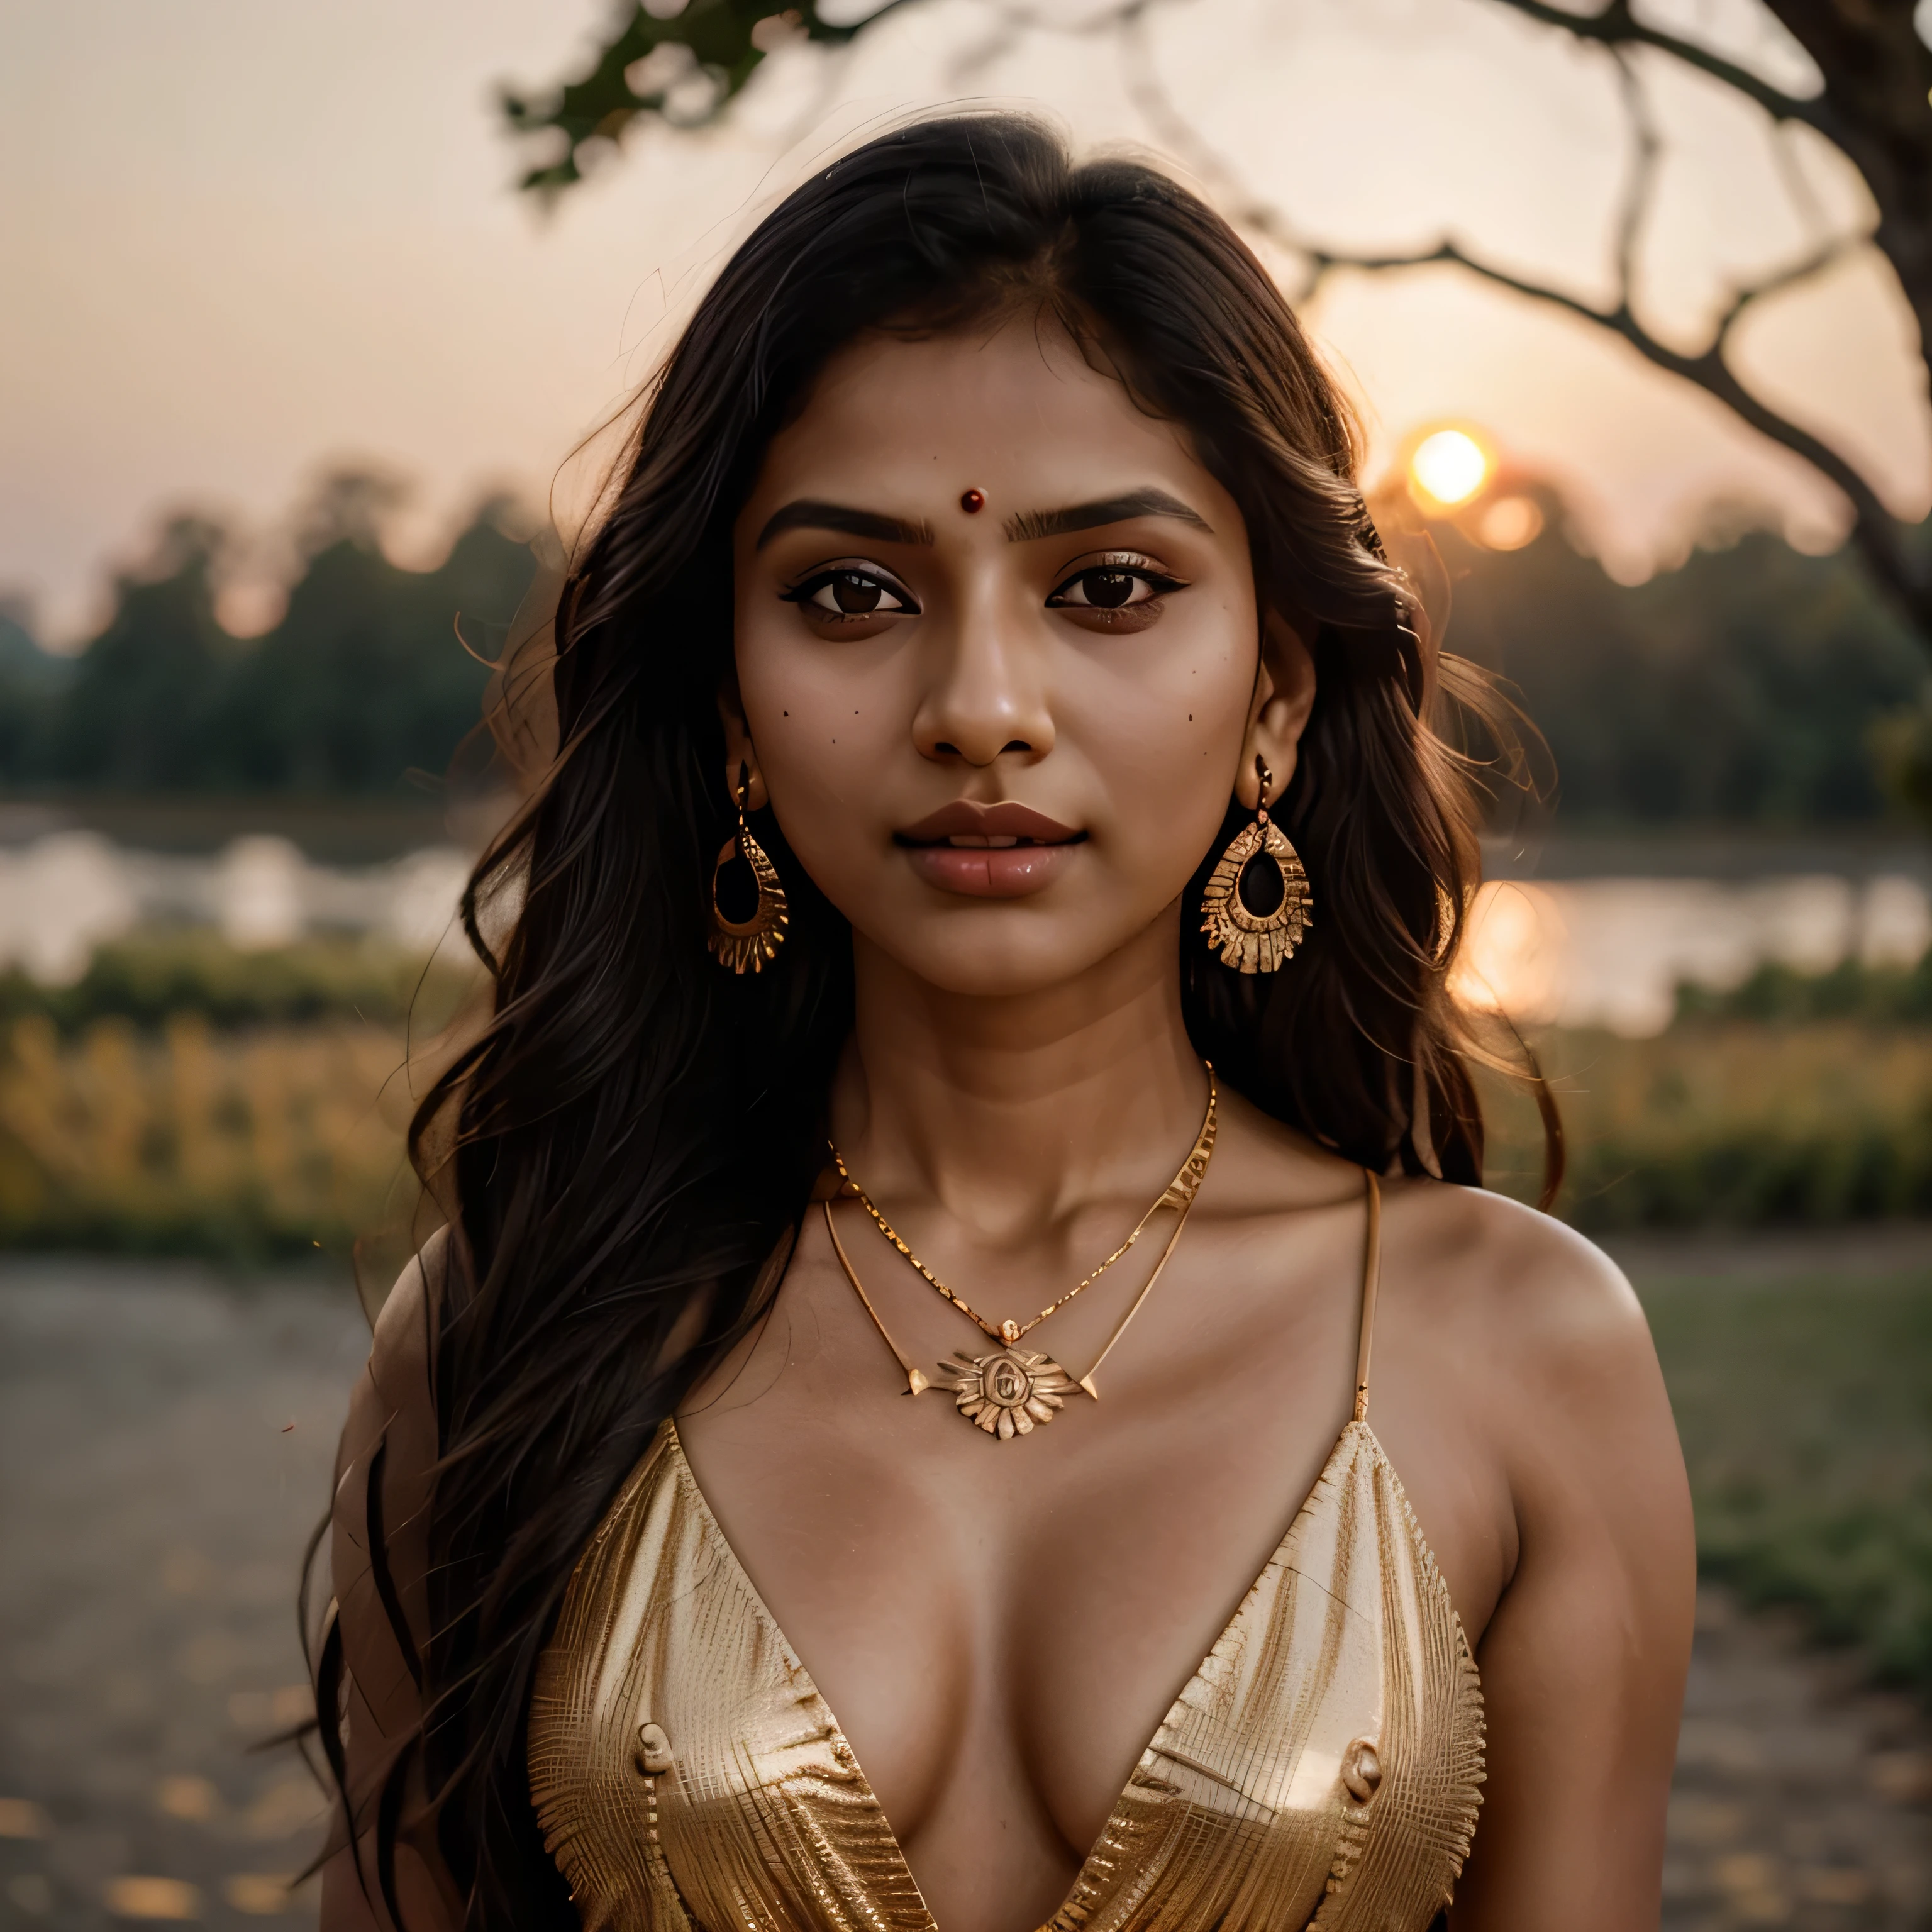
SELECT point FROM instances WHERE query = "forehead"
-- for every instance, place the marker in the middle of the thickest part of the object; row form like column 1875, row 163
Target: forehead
column 1015, row 411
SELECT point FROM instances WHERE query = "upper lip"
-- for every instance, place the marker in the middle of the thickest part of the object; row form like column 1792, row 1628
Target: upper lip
column 964, row 818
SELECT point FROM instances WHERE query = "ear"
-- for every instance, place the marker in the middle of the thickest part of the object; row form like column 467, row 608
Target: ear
column 1284, row 696
column 739, row 754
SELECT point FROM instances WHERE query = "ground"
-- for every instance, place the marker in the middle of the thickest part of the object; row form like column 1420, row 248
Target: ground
column 165, row 1434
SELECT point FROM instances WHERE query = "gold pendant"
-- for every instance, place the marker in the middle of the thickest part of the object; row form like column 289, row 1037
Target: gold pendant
column 1008, row 1392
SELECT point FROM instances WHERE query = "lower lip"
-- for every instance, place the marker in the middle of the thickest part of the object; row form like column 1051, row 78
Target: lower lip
column 990, row 872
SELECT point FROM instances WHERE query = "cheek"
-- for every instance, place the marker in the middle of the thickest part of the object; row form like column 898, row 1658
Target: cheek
column 824, row 718
column 1165, row 741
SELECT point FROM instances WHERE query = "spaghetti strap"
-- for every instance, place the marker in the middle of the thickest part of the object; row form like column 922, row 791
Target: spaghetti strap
column 1371, row 1271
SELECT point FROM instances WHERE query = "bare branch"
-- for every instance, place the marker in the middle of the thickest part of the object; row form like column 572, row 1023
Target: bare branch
column 1178, row 134
column 1645, row 151
column 1828, row 254
column 1876, row 54
column 1882, row 131
column 1617, row 26
column 1877, row 534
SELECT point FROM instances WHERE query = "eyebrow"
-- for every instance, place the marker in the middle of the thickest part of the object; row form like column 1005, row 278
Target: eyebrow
column 1031, row 524
column 809, row 514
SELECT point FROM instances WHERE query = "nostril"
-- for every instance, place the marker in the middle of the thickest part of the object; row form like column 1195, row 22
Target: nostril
column 1015, row 744
column 951, row 750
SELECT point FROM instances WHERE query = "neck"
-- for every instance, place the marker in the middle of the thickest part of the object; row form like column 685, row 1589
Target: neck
column 1011, row 1112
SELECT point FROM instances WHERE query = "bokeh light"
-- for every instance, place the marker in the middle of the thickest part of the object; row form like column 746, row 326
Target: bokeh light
column 1509, row 523
column 1450, row 467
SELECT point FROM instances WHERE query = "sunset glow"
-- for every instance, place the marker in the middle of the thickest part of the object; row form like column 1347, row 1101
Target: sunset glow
column 1450, row 467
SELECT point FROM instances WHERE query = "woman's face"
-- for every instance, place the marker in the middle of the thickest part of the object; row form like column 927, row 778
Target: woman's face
column 997, row 656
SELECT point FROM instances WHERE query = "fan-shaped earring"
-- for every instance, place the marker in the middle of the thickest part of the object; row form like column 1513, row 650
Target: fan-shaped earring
column 1256, row 923
column 740, row 943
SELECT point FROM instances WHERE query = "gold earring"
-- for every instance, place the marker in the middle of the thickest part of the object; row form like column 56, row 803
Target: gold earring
column 753, row 941
column 1257, row 942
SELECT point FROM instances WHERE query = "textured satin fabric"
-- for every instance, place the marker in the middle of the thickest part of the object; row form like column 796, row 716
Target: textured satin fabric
column 1320, row 1767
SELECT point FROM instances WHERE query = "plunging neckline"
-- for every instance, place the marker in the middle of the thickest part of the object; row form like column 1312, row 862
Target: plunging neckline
column 1352, row 1433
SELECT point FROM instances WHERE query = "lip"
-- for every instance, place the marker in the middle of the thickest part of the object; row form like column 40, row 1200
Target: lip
column 989, row 871
column 965, row 819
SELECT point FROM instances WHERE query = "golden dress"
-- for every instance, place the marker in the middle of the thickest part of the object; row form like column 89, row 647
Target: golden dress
column 1319, row 1769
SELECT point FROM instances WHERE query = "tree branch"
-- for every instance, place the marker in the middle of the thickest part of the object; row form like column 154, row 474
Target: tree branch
column 728, row 39
column 1645, row 150
column 1616, row 26
column 1880, row 539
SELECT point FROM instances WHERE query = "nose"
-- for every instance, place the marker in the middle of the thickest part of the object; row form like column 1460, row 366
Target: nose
column 988, row 697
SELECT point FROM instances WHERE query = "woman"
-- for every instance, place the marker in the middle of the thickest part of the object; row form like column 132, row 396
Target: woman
column 998, row 825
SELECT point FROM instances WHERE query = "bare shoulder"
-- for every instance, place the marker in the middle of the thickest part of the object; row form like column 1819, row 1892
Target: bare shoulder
column 1544, row 1444
column 1540, row 1301
column 1531, row 1349
column 1528, row 1309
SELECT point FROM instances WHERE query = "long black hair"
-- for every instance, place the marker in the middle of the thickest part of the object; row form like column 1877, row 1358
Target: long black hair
column 626, row 1149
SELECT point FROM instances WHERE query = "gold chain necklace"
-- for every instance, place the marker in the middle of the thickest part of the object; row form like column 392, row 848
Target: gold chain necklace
column 1011, row 1391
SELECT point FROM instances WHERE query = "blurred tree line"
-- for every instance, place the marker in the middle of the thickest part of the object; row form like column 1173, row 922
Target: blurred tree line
column 1753, row 685
column 363, row 679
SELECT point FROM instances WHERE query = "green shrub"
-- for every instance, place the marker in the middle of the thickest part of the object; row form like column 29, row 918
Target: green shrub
column 1781, row 995
column 148, row 978
column 1729, row 1122
column 1805, row 1409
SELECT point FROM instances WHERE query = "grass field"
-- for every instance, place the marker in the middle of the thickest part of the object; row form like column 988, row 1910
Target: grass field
column 245, row 1147
column 1804, row 1402
column 185, row 1097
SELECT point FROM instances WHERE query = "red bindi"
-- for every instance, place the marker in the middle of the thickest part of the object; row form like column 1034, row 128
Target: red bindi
column 973, row 502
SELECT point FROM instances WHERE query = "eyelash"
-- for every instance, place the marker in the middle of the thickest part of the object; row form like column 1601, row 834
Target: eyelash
column 805, row 594
column 1117, row 564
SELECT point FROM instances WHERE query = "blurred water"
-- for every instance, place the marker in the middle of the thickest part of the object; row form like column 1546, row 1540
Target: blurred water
column 63, row 894
column 1607, row 951
column 1612, row 952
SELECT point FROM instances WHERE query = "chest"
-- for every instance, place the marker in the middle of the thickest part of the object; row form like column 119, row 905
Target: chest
column 1001, row 1623
column 972, row 1606
column 1322, row 1756
column 1006, row 1630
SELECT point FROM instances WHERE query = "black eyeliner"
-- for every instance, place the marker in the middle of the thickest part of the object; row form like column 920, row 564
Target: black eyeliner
column 1158, row 581
column 817, row 580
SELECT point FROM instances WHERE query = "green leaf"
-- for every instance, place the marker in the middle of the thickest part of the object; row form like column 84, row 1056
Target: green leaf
column 635, row 74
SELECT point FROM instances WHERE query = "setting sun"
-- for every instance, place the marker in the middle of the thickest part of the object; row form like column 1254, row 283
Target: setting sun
column 1450, row 467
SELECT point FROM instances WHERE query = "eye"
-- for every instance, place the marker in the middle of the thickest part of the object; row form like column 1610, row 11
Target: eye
column 1114, row 584
column 845, row 591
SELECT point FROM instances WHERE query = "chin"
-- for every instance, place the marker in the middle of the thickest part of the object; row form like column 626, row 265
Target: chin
column 997, row 955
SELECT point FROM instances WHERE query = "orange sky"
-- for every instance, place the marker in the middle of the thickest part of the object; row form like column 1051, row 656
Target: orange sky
column 245, row 240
